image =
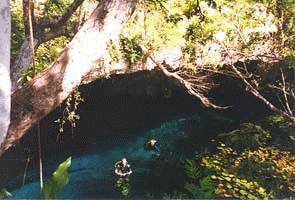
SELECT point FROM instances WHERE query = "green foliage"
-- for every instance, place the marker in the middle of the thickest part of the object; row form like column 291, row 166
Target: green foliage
column 175, row 195
column 246, row 167
column 205, row 189
column 164, row 175
column 131, row 50
column 272, row 166
column 280, row 122
column 56, row 7
column 123, row 186
column 149, row 196
column 248, row 136
column 195, row 25
column 230, row 182
column 199, row 184
column 45, row 55
column 4, row 193
column 49, row 51
column 57, row 182
column 191, row 169
column 290, row 59
column 17, row 28
column 243, row 167
column 284, row 134
column 155, row 26
column 262, row 173
column 114, row 52
column 229, row 185
column 173, row 18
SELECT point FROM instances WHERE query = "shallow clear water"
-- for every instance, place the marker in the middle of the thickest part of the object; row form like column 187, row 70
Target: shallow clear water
column 92, row 172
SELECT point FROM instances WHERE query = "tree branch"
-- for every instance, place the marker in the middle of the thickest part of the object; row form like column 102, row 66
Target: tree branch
column 285, row 93
column 44, row 37
column 57, row 21
column 252, row 89
column 189, row 86
column 259, row 96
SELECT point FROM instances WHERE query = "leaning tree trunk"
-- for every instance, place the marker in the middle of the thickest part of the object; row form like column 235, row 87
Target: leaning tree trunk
column 5, row 83
column 50, row 88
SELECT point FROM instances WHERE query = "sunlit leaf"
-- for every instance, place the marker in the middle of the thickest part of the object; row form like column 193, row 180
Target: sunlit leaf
column 56, row 183
column 4, row 193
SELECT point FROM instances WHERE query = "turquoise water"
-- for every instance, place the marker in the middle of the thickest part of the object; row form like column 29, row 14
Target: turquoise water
column 92, row 172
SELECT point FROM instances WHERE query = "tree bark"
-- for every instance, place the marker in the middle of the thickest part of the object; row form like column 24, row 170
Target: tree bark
column 22, row 61
column 50, row 88
column 5, row 84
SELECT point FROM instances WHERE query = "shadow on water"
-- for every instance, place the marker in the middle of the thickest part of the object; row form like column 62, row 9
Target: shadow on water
column 118, row 116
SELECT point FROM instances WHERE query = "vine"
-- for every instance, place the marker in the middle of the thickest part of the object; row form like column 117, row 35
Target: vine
column 70, row 112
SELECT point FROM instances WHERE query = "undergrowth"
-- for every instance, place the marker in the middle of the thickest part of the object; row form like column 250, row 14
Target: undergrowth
column 246, row 164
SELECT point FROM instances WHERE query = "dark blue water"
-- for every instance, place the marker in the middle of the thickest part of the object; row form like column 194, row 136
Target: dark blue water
column 92, row 172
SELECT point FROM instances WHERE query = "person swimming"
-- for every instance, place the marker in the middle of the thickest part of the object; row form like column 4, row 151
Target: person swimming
column 122, row 168
column 153, row 145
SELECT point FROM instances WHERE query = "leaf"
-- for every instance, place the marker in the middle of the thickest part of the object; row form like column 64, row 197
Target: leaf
column 248, row 185
column 59, row 179
column 225, row 174
column 4, row 193
column 213, row 177
column 250, row 196
column 191, row 169
column 227, row 179
column 192, row 189
column 292, row 138
column 28, row 78
column 56, row 2
column 261, row 190
column 243, row 192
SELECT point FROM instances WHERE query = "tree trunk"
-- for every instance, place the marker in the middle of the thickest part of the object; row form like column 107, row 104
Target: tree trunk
column 24, row 58
column 4, row 68
column 50, row 88
column 22, row 61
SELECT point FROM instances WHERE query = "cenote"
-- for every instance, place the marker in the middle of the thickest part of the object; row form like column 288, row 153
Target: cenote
column 118, row 116
column 152, row 99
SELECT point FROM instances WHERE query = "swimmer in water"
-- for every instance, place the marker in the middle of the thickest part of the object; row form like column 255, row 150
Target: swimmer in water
column 153, row 145
column 122, row 168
